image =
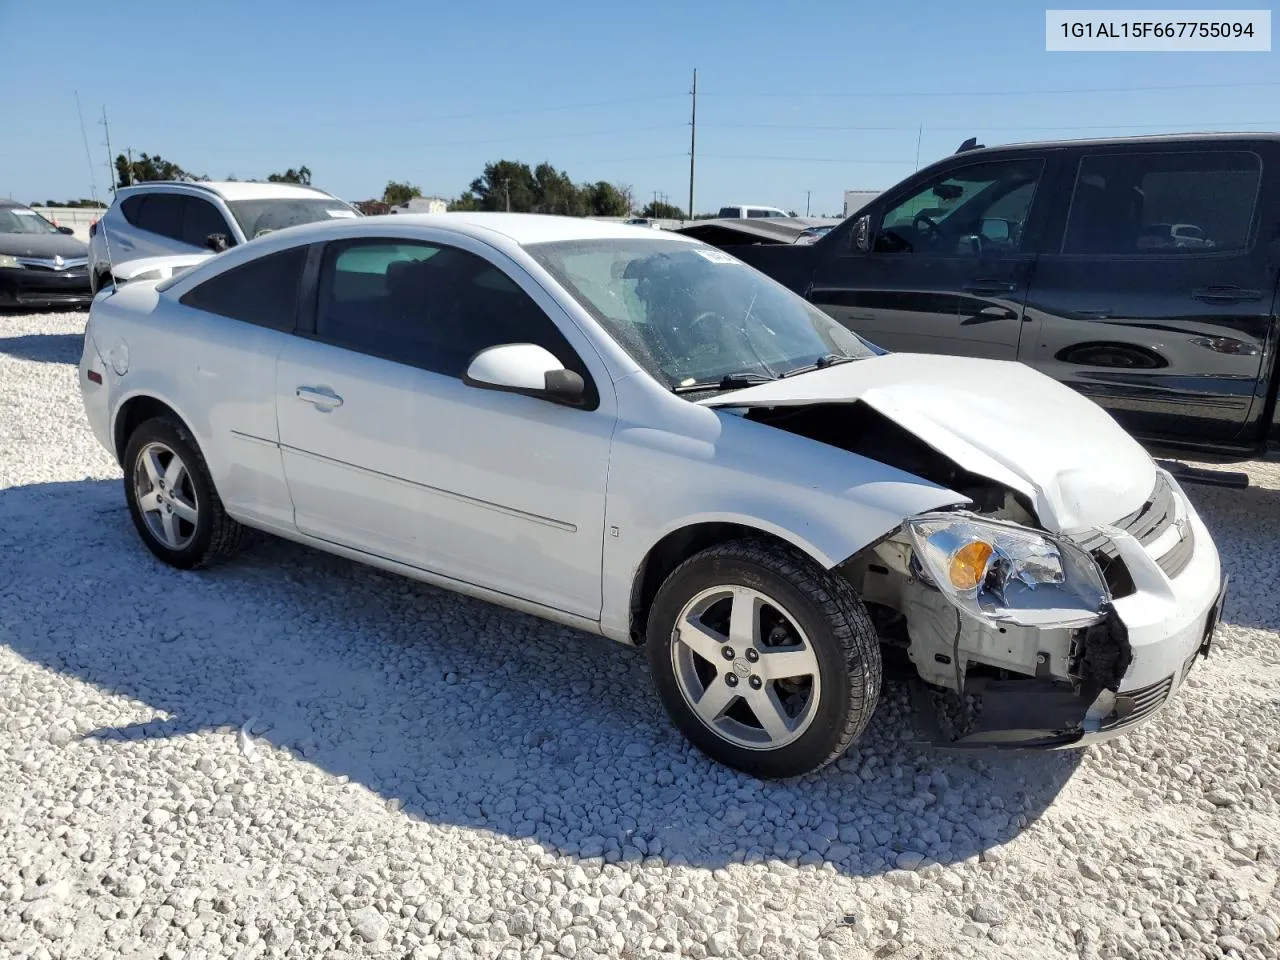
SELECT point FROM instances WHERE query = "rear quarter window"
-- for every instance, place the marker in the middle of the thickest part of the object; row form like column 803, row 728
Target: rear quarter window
column 1160, row 204
column 263, row 292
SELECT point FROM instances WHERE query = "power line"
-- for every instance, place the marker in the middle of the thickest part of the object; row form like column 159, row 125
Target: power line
column 519, row 138
column 432, row 118
column 901, row 94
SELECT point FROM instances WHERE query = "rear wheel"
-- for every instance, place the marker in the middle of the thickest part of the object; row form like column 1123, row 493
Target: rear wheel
column 172, row 499
column 764, row 660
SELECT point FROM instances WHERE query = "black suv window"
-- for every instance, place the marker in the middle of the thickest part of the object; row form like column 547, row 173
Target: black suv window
column 262, row 292
column 427, row 305
column 162, row 213
column 129, row 208
column 1163, row 203
column 201, row 219
column 979, row 209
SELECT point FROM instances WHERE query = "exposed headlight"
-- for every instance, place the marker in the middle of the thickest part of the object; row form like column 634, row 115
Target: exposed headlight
column 11, row 262
column 1003, row 572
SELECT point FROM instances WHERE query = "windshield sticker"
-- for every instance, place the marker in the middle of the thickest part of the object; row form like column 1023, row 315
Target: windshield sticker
column 716, row 256
column 342, row 214
column 23, row 213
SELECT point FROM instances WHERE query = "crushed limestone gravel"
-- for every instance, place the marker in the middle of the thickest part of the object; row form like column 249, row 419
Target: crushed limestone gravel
column 295, row 756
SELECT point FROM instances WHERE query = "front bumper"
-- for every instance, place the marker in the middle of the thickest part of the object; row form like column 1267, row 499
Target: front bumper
column 30, row 287
column 1157, row 632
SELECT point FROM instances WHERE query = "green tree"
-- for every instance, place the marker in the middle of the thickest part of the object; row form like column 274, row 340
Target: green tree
column 301, row 175
column 663, row 211
column 505, row 185
column 605, row 200
column 148, row 167
column 465, row 201
column 398, row 194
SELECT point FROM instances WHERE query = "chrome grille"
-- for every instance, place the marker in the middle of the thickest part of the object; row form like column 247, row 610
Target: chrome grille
column 1146, row 524
column 49, row 263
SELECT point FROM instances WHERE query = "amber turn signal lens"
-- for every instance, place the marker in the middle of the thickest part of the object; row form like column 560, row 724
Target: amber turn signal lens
column 969, row 565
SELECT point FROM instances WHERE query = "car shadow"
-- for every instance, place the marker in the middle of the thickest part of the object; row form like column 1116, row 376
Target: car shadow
column 452, row 707
column 44, row 347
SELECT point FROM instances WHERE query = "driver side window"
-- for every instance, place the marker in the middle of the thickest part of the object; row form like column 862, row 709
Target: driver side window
column 977, row 210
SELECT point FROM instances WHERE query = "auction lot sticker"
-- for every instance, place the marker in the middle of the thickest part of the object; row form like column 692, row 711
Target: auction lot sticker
column 1128, row 30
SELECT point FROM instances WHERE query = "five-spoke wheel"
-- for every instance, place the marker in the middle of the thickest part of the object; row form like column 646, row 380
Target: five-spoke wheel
column 166, row 496
column 746, row 667
column 765, row 660
column 172, row 498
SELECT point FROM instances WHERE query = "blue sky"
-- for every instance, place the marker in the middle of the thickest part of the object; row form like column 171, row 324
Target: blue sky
column 816, row 96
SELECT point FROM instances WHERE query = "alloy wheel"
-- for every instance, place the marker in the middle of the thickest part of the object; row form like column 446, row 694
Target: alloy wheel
column 745, row 667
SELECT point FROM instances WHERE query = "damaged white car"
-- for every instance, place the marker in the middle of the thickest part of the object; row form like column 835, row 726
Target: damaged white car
column 638, row 435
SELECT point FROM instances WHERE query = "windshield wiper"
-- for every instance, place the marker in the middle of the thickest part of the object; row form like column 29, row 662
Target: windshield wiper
column 732, row 381
column 826, row 360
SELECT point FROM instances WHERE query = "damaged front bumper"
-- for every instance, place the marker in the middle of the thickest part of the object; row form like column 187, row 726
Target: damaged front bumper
column 1054, row 688
column 1041, row 713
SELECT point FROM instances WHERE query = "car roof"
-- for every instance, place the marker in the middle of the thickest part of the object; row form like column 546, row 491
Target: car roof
column 235, row 189
column 519, row 228
column 1141, row 140
column 10, row 203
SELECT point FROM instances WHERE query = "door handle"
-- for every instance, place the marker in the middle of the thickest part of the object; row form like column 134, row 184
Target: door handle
column 990, row 286
column 1225, row 294
column 320, row 396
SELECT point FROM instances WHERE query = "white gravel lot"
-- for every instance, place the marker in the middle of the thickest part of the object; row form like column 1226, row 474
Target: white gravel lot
column 296, row 756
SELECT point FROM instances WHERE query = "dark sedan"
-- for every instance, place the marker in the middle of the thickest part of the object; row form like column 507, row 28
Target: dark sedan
column 40, row 263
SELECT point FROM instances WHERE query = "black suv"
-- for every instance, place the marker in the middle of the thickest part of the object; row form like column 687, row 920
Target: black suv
column 1140, row 271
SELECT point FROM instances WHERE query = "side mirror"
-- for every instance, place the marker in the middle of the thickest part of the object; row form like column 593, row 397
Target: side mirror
column 860, row 235
column 217, row 242
column 66, row 230
column 997, row 229
column 528, row 369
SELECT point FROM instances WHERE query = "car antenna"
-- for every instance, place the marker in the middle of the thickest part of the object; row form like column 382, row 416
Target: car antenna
column 93, row 192
column 970, row 144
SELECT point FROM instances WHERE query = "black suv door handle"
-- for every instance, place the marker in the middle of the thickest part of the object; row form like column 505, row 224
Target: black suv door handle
column 1225, row 294
column 989, row 287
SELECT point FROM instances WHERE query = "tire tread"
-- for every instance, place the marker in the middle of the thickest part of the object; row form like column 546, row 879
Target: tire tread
column 837, row 601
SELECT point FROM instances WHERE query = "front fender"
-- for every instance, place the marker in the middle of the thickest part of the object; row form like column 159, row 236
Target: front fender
column 721, row 468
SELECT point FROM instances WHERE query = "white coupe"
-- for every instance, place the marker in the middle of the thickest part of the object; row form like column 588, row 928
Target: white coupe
column 635, row 434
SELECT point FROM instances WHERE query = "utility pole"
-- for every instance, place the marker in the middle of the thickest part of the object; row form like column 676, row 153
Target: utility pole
column 111, row 168
column 506, row 188
column 807, row 194
column 693, row 138
column 129, row 151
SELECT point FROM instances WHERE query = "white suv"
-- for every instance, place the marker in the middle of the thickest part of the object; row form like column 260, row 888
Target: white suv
column 166, row 218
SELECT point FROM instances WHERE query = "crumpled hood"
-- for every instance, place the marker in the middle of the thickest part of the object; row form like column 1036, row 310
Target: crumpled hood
column 996, row 418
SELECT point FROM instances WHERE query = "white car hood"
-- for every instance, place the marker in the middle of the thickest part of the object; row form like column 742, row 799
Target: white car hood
column 999, row 419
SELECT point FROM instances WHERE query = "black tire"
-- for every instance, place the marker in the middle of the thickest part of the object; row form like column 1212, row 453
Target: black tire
column 823, row 605
column 216, row 537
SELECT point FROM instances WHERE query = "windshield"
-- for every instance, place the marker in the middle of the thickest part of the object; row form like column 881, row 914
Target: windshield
column 257, row 217
column 22, row 220
column 689, row 313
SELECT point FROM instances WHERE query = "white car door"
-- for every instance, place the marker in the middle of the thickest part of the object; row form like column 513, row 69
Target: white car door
column 386, row 450
column 218, row 359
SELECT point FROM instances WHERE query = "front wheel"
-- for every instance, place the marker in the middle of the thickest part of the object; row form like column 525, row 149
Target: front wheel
column 765, row 661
